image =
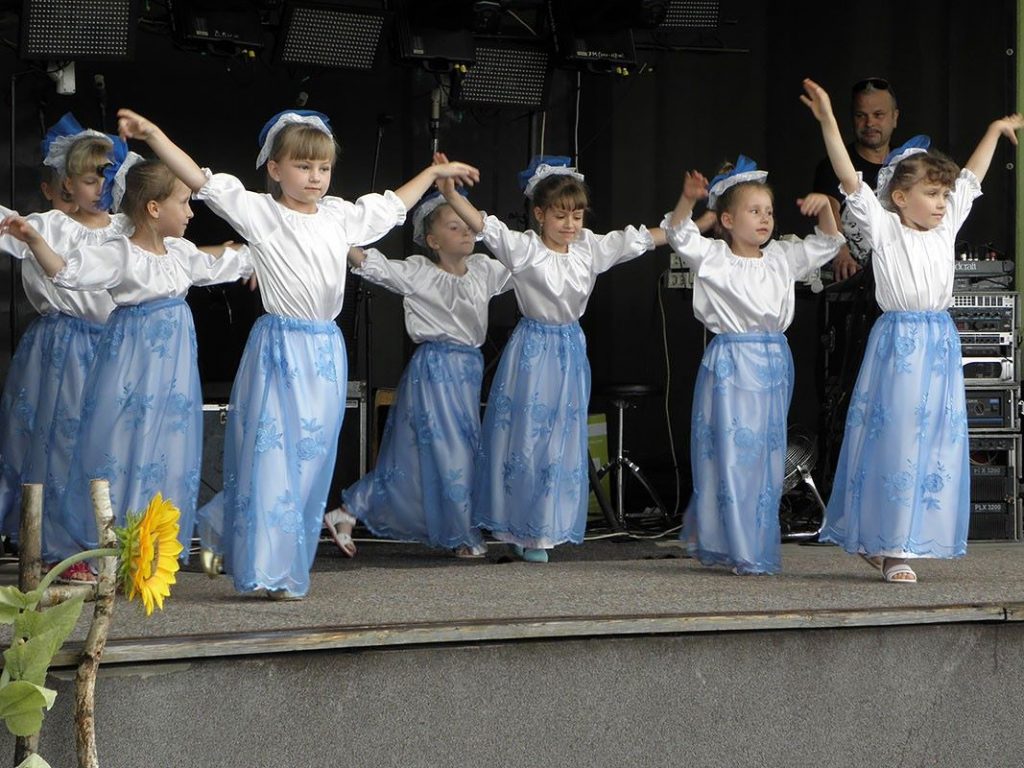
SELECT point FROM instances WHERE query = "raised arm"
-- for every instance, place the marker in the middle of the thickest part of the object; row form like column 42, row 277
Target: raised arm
column 417, row 186
column 131, row 125
column 819, row 205
column 465, row 209
column 19, row 228
column 982, row 156
column 818, row 102
column 695, row 187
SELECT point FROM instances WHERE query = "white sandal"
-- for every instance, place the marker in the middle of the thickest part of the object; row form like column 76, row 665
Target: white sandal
column 467, row 552
column 343, row 539
column 891, row 574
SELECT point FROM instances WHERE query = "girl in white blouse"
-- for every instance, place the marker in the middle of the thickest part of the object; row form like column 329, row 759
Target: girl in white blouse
column 141, row 418
column 39, row 409
column 420, row 487
column 288, row 398
column 743, row 292
column 902, row 484
column 530, row 483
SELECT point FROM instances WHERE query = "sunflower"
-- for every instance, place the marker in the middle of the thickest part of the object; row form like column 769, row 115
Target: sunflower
column 149, row 553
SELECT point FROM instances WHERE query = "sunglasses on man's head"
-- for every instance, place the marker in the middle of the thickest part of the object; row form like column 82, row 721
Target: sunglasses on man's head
column 878, row 83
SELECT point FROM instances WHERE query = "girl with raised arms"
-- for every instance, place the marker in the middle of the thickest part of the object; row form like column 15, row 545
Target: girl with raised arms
column 288, row 397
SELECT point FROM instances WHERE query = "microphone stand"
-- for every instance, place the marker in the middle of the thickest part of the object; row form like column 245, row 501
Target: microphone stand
column 367, row 294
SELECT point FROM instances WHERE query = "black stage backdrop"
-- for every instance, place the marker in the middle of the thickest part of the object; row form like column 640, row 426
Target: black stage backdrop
column 951, row 63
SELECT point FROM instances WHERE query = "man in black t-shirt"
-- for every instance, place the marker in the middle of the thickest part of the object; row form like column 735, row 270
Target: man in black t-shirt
column 875, row 116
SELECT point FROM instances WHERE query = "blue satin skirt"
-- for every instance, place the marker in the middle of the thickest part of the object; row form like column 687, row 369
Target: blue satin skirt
column 142, row 419
column 738, row 452
column 902, row 485
column 530, row 484
column 420, row 487
column 39, row 420
column 285, row 415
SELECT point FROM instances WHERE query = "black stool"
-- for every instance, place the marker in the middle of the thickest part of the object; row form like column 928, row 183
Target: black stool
column 621, row 397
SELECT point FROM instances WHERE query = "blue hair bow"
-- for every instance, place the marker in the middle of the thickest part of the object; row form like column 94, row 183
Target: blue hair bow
column 302, row 112
column 539, row 160
column 913, row 145
column 66, row 126
column 118, row 153
column 743, row 165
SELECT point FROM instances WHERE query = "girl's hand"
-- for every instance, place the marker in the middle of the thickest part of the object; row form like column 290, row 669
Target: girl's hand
column 18, row 228
column 131, row 125
column 817, row 100
column 460, row 173
column 695, row 186
column 813, row 204
column 445, row 186
column 1009, row 125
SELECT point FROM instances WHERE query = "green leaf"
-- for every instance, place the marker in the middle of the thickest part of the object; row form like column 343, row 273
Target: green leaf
column 21, row 706
column 60, row 619
column 12, row 602
column 29, row 660
column 13, row 597
column 33, row 761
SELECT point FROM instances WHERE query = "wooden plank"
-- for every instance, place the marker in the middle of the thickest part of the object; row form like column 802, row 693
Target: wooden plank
column 214, row 645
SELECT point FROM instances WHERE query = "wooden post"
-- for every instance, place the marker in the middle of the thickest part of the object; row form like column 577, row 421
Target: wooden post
column 30, row 572
column 85, row 678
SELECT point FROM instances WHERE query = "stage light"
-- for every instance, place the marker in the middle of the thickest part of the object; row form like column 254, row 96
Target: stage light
column 64, row 30
column 217, row 24
column 691, row 14
column 597, row 35
column 322, row 34
column 507, row 72
column 435, row 41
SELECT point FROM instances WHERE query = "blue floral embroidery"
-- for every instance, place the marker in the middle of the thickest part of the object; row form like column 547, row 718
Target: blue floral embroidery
column 285, row 515
column 423, row 429
column 180, row 410
column 705, row 436
column 109, row 470
column 724, row 369
column 897, row 484
column 152, row 475
column 453, row 489
column 313, row 444
column 267, row 436
column 325, row 363
column 511, row 468
column 25, row 412
column 503, row 409
column 135, row 406
column 933, row 484
column 880, row 417
column 160, row 330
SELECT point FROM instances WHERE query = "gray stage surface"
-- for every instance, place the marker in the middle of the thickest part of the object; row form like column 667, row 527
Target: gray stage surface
column 393, row 594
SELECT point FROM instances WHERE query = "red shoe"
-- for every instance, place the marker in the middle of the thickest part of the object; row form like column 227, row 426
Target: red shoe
column 79, row 573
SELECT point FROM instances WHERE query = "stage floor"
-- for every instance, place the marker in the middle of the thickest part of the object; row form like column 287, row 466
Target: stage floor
column 395, row 595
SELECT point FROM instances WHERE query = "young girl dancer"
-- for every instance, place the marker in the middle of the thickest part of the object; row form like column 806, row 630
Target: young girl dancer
column 287, row 401
column 141, row 418
column 902, row 486
column 420, row 489
column 530, row 484
column 39, row 410
column 744, row 293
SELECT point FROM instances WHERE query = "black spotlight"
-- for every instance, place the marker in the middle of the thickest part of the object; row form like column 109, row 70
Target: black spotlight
column 62, row 30
column 508, row 72
column 324, row 34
